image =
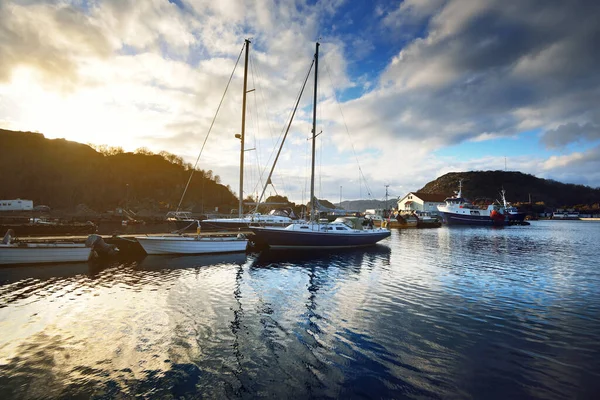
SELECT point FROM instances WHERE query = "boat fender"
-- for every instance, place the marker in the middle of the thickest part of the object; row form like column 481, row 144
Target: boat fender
column 384, row 223
column 8, row 236
column 241, row 236
column 99, row 246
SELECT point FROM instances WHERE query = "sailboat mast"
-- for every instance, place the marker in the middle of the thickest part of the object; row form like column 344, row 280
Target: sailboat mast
column 242, row 135
column 314, row 139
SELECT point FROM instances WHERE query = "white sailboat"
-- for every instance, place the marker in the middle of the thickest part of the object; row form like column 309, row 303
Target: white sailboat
column 179, row 244
column 341, row 233
column 201, row 244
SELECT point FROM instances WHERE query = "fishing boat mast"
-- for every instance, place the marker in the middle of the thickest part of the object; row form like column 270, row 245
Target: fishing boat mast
column 314, row 139
column 242, row 135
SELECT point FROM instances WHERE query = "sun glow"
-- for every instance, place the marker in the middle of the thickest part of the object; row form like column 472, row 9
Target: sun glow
column 89, row 114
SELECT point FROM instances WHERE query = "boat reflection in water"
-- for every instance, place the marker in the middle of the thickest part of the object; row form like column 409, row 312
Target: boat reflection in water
column 44, row 272
column 432, row 313
column 322, row 257
column 157, row 262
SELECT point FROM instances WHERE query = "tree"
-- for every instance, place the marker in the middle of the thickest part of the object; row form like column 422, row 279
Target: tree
column 143, row 151
column 106, row 150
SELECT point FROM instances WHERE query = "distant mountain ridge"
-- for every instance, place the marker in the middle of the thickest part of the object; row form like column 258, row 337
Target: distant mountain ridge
column 519, row 187
column 486, row 185
column 66, row 174
column 362, row 205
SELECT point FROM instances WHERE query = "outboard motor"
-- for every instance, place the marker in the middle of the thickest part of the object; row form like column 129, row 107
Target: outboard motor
column 8, row 236
column 100, row 247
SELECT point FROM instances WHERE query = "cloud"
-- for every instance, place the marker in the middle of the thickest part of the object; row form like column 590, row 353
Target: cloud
column 410, row 15
column 415, row 77
column 579, row 167
column 569, row 133
column 49, row 38
column 482, row 64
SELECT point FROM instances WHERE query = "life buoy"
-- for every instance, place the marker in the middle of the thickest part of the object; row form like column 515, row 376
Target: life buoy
column 496, row 216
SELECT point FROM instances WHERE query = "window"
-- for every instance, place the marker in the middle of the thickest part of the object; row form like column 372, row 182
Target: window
column 339, row 228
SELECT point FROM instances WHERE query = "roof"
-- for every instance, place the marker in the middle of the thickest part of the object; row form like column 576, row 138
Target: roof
column 429, row 197
column 432, row 197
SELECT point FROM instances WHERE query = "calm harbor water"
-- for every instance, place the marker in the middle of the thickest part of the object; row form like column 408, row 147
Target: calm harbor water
column 436, row 313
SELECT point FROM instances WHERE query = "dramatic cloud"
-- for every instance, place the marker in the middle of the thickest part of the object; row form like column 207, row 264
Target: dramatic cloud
column 51, row 39
column 399, row 83
column 569, row 133
column 482, row 63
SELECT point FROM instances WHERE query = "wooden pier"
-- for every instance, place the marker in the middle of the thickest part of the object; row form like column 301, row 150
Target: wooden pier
column 125, row 243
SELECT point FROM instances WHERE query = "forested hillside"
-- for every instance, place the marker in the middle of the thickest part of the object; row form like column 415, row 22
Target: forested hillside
column 64, row 174
column 519, row 187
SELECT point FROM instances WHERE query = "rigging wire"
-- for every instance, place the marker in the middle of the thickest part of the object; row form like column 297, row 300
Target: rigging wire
column 298, row 98
column 256, row 120
column 274, row 140
column 320, row 143
column 211, row 126
column 361, row 174
column 284, row 131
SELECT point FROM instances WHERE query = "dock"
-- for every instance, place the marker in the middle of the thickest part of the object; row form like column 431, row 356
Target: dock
column 125, row 243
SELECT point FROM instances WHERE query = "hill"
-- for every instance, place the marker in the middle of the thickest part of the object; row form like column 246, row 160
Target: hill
column 519, row 187
column 64, row 174
column 362, row 205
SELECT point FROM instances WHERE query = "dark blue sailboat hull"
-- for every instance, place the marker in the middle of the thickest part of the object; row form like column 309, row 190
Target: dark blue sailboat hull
column 280, row 238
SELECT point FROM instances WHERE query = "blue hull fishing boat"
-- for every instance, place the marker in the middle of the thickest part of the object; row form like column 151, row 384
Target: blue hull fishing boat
column 459, row 211
column 341, row 233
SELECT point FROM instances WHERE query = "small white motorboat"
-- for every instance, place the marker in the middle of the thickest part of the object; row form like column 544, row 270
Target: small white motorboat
column 41, row 253
column 178, row 244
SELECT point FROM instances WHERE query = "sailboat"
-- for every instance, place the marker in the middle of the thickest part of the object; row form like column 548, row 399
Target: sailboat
column 202, row 244
column 341, row 233
column 196, row 244
column 277, row 217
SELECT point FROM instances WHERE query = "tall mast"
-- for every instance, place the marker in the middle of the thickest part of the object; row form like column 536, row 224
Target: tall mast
column 241, row 204
column 314, row 139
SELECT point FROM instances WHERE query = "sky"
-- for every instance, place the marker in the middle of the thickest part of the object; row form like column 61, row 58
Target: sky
column 407, row 90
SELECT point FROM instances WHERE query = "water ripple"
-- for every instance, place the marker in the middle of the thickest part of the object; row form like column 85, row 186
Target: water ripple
column 437, row 313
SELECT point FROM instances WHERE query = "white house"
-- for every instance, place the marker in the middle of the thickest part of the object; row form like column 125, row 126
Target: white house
column 415, row 201
column 16, row 205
